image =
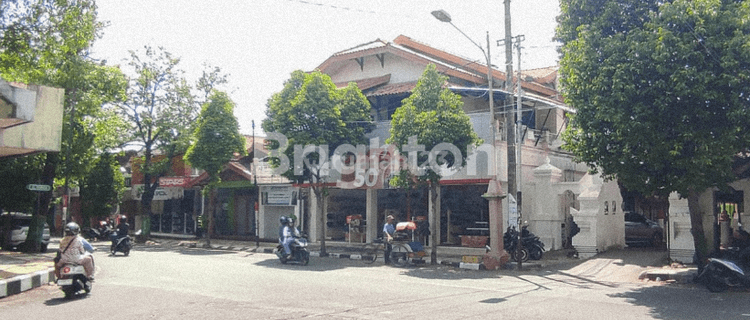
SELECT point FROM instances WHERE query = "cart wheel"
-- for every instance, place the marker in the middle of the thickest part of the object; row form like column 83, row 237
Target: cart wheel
column 399, row 255
column 370, row 253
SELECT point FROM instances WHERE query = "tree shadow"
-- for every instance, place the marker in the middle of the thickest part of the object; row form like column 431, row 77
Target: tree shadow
column 688, row 302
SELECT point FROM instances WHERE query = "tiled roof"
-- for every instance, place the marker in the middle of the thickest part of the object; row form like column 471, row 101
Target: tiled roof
column 393, row 88
column 364, row 84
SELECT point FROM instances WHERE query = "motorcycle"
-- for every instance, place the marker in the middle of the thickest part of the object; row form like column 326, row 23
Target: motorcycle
column 510, row 241
column 300, row 255
column 102, row 233
column 720, row 274
column 532, row 243
column 122, row 244
column 73, row 280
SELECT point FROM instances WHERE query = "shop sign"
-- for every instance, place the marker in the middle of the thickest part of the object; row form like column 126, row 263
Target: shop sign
column 173, row 181
column 160, row 194
column 278, row 196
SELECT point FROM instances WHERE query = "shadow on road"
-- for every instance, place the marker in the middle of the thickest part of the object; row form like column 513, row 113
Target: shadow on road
column 689, row 302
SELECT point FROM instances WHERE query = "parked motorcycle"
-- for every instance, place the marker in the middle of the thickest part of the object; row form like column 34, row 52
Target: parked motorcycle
column 720, row 274
column 103, row 232
column 122, row 244
column 532, row 243
column 300, row 255
column 73, row 280
column 510, row 241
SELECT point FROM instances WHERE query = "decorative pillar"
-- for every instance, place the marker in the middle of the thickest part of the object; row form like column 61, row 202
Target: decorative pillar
column 681, row 245
column 545, row 218
column 497, row 256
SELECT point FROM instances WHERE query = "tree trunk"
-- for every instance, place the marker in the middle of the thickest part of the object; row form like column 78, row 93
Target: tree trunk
column 435, row 207
column 696, row 224
column 36, row 226
column 211, row 206
column 322, row 219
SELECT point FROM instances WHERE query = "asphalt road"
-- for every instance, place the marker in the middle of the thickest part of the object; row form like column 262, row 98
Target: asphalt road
column 181, row 283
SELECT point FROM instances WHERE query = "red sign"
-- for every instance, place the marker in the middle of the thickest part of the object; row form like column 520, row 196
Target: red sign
column 173, row 181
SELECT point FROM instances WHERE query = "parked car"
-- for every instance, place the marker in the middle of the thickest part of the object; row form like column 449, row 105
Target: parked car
column 14, row 227
column 641, row 230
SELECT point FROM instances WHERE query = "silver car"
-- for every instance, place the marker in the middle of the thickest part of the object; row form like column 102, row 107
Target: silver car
column 641, row 230
column 14, row 228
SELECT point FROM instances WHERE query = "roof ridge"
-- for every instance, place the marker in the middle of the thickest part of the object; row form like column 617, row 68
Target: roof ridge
column 385, row 43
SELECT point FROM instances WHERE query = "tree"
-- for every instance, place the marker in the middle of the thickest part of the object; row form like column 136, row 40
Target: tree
column 431, row 117
column 310, row 111
column 661, row 92
column 46, row 42
column 102, row 188
column 217, row 139
column 162, row 110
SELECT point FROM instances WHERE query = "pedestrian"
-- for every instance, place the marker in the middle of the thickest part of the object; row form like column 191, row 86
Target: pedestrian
column 389, row 231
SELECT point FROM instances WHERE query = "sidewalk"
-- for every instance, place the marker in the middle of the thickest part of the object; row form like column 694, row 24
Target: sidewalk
column 22, row 271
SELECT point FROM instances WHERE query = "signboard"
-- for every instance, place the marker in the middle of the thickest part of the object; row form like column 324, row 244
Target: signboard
column 173, row 181
column 160, row 193
column 38, row 187
column 512, row 212
column 278, row 196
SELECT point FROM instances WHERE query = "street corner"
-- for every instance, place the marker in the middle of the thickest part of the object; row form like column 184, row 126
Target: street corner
column 24, row 282
column 14, row 270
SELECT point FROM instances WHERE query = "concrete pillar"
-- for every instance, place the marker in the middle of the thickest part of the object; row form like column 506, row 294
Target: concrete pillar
column 371, row 209
column 545, row 220
column 497, row 256
column 681, row 245
column 314, row 218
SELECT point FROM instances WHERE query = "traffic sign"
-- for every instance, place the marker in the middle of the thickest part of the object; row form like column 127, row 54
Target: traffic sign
column 38, row 187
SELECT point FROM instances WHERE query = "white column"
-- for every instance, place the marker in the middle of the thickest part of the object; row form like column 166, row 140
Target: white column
column 371, row 210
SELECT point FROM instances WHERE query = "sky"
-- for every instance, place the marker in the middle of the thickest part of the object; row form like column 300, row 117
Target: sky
column 259, row 43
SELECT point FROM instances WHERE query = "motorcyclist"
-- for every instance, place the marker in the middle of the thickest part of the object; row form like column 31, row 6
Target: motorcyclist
column 123, row 227
column 288, row 233
column 73, row 250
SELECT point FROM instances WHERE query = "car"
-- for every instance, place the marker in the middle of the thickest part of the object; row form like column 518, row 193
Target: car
column 14, row 227
column 640, row 230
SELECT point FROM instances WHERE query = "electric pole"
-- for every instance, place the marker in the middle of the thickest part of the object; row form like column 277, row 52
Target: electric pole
column 510, row 122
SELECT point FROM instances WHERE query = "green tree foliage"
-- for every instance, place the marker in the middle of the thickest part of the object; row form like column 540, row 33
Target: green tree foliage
column 102, row 188
column 17, row 173
column 217, row 139
column 47, row 42
column 161, row 109
column 309, row 110
column 661, row 89
column 433, row 115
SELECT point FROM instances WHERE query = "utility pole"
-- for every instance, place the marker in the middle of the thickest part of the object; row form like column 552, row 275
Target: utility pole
column 510, row 122
column 519, row 145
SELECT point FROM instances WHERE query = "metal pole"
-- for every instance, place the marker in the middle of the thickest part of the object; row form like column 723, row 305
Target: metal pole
column 495, row 214
column 255, row 183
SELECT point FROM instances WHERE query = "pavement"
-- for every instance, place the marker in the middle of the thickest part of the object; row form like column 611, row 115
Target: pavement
column 24, row 271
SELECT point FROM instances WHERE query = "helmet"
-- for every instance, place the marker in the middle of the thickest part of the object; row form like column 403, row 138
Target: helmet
column 283, row 220
column 72, row 228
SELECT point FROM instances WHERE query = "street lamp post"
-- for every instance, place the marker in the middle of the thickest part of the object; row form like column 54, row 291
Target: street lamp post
column 497, row 254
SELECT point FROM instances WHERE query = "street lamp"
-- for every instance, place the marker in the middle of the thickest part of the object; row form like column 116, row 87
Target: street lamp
column 493, row 190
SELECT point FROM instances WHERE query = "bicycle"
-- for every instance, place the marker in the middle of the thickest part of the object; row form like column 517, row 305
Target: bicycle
column 370, row 251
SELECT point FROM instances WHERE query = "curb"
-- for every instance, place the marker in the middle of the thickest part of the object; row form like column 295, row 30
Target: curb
column 25, row 282
column 679, row 276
